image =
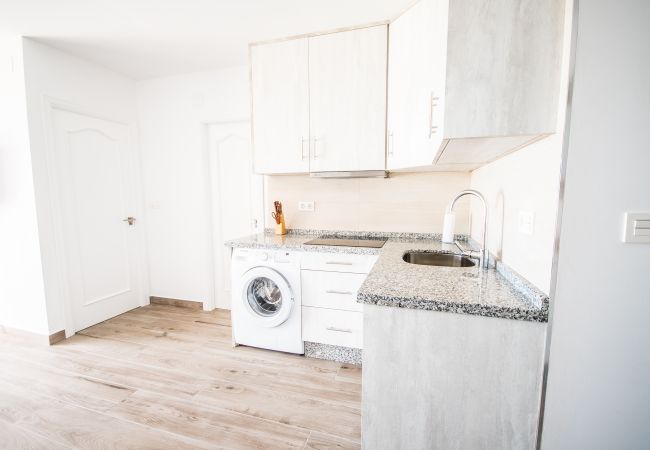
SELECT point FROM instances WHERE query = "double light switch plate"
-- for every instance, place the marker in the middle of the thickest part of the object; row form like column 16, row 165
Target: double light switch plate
column 637, row 228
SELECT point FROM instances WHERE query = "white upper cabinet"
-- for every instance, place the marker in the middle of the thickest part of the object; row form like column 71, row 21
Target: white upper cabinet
column 416, row 82
column 347, row 94
column 319, row 103
column 280, row 92
column 470, row 81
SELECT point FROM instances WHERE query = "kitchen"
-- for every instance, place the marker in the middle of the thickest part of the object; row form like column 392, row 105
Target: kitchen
column 383, row 188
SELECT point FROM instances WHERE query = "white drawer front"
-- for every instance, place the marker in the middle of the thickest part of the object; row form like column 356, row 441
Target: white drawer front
column 338, row 262
column 331, row 326
column 333, row 290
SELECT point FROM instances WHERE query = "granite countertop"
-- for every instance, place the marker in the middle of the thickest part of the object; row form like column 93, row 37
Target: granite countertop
column 494, row 292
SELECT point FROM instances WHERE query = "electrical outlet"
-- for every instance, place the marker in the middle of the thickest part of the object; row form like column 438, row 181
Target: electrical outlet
column 526, row 222
column 305, row 206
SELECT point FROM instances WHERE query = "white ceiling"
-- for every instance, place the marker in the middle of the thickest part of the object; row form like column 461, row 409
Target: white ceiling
column 151, row 38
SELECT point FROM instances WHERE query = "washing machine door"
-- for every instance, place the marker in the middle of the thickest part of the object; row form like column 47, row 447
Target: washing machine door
column 266, row 296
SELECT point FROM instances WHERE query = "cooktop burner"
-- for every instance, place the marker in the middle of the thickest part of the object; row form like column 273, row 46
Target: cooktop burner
column 347, row 242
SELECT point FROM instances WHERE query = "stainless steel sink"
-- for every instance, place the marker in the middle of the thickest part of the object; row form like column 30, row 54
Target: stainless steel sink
column 438, row 259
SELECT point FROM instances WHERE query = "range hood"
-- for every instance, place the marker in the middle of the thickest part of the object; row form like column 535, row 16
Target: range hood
column 352, row 174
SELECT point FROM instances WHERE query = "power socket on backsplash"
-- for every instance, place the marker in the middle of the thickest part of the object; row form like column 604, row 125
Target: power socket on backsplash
column 306, row 206
column 526, row 223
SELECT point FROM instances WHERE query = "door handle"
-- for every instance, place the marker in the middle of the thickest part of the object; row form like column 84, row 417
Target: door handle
column 339, row 263
column 338, row 292
column 314, row 153
column 391, row 147
column 302, row 148
column 340, row 330
column 130, row 220
column 433, row 102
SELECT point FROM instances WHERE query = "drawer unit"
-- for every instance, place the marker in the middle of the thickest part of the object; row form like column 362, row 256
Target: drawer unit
column 331, row 326
column 333, row 290
column 338, row 262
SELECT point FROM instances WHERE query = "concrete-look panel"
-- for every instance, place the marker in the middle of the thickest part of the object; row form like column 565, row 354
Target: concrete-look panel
column 434, row 380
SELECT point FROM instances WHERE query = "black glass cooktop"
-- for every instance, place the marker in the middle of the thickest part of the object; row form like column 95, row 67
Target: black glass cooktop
column 347, row 242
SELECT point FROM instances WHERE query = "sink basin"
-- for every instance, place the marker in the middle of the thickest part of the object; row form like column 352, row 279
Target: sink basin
column 438, row 259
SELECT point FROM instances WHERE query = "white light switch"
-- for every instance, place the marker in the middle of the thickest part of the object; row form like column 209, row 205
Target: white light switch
column 637, row 228
column 526, row 222
column 305, row 206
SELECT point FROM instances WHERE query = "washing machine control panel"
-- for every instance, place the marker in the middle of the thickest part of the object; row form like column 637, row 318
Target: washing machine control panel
column 283, row 257
column 264, row 256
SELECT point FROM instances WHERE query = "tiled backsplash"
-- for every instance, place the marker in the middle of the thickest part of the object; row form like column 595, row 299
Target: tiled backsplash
column 413, row 202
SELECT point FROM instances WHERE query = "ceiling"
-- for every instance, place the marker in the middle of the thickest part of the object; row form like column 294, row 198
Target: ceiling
column 151, row 38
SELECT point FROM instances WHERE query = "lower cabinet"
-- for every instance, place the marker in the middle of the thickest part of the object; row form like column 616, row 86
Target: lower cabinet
column 333, row 290
column 332, row 326
column 439, row 380
column 330, row 312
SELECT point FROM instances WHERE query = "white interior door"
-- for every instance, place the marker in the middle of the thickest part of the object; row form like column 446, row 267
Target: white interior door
column 95, row 178
column 347, row 95
column 236, row 194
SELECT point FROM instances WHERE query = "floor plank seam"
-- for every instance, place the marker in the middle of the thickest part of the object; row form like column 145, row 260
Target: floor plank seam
column 307, row 441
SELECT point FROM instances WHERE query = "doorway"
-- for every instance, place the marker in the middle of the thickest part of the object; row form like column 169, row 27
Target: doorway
column 236, row 195
column 96, row 191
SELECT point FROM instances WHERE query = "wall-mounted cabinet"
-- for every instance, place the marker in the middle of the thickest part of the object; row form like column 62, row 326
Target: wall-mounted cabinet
column 319, row 103
column 469, row 82
column 280, row 91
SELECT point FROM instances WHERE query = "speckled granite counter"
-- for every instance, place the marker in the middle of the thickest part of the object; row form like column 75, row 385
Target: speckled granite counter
column 296, row 239
column 464, row 290
column 495, row 292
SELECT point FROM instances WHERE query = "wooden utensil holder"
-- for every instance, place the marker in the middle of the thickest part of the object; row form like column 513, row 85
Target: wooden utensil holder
column 280, row 228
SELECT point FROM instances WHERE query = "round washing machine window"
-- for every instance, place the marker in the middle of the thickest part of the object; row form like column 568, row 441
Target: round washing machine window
column 264, row 297
column 267, row 296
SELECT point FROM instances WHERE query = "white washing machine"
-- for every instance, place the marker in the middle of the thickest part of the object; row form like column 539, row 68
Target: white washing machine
column 266, row 303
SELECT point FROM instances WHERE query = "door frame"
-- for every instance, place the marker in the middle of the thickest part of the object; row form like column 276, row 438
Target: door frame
column 213, row 236
column 60, row 254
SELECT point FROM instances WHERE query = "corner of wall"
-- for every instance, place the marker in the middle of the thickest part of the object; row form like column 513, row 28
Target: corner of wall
column 22, row 294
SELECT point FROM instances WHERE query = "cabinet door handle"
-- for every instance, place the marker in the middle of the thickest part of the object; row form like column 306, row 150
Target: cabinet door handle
column 302, row 148
column 338, row 292
column 433, row 102
column 340, row 263
column 314, row 152
column 391, row 146
column 340, row 330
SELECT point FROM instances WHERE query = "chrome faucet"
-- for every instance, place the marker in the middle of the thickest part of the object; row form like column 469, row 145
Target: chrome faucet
column 483, row 255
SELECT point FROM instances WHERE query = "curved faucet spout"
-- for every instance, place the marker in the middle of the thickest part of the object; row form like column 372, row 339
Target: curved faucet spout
column 477, row 194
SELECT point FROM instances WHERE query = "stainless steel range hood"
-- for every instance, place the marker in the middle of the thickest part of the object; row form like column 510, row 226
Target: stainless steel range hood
column 352, row 174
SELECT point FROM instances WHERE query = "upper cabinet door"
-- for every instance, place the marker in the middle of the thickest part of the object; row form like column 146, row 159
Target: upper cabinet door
column 416, row 84
column 470, row 81
column 280, row 91
column 347, row 89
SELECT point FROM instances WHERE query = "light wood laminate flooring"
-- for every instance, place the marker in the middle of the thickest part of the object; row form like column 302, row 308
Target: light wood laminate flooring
column 162, row 377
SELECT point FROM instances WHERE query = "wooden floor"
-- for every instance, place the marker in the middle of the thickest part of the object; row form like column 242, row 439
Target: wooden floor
column 167, row 377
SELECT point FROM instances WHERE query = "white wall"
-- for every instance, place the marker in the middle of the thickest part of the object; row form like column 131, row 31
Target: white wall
column 22, row 295
column 53, row 74
column 527, row 180
column 173, row 112
column 598, row 393
column 411, row 202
